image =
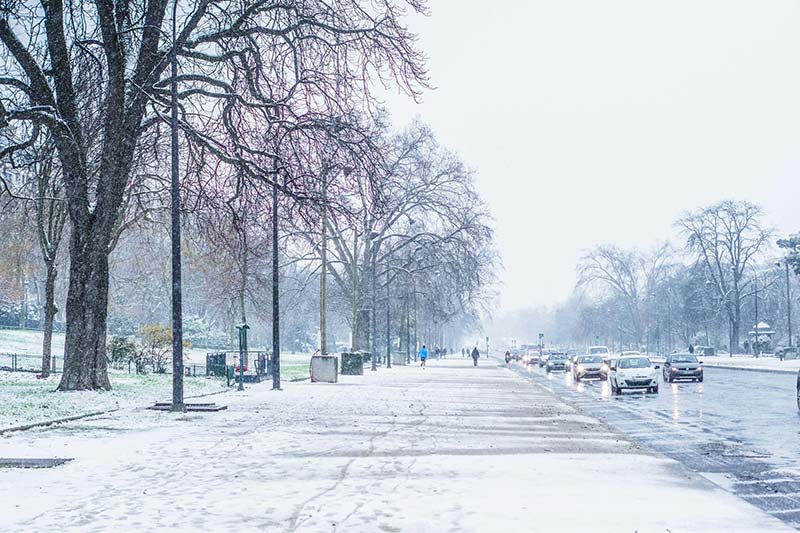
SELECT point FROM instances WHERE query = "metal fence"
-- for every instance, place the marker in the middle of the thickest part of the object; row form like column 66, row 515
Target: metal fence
column 15, row 362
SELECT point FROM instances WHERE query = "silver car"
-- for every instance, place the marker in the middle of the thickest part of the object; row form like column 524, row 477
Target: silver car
column 589, row 367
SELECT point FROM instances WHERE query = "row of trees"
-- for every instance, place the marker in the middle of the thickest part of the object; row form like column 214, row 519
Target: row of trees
column 728, row 276
column 277, row 117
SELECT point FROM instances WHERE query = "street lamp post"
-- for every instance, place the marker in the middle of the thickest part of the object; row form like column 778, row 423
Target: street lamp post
column 788, row 300
column 388, row 324
column 175, row 197
column 276, row 306
column 416, row 338
column 373, row 320
column 323, row 338
column 755, row 341
column 242, row 352
column 323, row 347
column 408, row 331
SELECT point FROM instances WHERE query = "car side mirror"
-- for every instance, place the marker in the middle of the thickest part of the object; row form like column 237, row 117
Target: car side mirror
column 699, row 362
column 657, row 367
column 613, row 367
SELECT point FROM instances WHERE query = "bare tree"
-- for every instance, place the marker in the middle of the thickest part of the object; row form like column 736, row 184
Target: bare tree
column 727, row 239
column 246, row 69
column 629, row 274
column 51, row 217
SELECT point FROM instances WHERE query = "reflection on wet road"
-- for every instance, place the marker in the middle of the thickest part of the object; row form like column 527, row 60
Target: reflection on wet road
column 740, row 428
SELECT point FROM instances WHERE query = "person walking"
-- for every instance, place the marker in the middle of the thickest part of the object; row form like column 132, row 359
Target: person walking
column 475, row 355
column 691, row 348
column 423, row 356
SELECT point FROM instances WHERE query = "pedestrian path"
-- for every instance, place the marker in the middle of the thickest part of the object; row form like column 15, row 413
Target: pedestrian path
column 449, row 448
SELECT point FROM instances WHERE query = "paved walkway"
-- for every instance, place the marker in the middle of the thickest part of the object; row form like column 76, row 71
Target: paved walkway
column 449, row 448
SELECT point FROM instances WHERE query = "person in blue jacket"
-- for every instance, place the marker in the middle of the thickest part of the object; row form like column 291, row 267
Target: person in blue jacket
column 423, row 355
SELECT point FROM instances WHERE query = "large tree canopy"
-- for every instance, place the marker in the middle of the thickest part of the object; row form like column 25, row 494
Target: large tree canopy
column 251, row 73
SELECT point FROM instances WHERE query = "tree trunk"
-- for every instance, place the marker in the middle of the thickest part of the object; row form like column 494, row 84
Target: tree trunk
column 87, row 309
column 50, row 311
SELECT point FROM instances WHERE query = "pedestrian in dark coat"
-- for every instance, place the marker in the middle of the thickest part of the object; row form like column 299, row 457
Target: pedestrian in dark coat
column 475, row 355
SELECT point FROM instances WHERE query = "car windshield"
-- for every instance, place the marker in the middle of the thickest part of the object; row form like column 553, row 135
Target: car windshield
column 634, row 362
column 557, row 357
column 684, row 359
column 590, row 359
column 598, row 350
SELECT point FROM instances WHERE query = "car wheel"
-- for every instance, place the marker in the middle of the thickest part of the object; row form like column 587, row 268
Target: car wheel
column 576, row 378
column 614, row 391
column 655, row 389
column 700, row 379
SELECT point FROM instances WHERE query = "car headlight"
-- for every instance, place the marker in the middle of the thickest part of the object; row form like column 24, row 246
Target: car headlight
column 581, row 369
column 604, row 368
column 699, row 368
column 673, row 369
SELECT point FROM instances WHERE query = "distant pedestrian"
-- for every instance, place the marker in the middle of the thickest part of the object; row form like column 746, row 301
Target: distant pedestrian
column 475, row 355
column 423, row 356
column 691, row 348
column 463, row 352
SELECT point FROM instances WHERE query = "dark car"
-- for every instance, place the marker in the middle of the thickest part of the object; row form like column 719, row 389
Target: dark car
column 682, row 366
column 589, row 367
column 557, row 361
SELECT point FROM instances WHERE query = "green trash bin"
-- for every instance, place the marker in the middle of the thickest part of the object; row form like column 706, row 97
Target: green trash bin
column 352, row 364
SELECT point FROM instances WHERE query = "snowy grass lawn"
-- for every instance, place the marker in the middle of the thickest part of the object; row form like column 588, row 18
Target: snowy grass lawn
column 28, row 342
column 25, row 399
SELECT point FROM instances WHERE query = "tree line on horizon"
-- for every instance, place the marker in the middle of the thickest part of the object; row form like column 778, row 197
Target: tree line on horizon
column 729, row 273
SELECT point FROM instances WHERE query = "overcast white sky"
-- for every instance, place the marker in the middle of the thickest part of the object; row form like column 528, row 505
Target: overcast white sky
column 601, row 122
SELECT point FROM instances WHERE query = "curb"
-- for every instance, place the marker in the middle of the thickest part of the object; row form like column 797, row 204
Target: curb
column 751, row 369
column 25, row 427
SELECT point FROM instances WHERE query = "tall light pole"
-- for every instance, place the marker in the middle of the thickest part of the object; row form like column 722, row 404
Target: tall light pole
column 788, row 300
column 323, row 345
column 756, row 340
column 323, row 281
column 373, row 319
column 388, row 324
column 175, row 196
column 276, row 306
column 408, row 331
column 416, row 338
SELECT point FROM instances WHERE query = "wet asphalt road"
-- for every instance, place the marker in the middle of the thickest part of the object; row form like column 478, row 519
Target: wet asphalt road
column 739, row 428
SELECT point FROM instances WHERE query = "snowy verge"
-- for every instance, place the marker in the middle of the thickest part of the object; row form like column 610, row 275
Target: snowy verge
column 759, row 364
column 26, row 400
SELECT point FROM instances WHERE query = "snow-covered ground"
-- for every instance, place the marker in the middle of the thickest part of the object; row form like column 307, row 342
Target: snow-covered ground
column 753, row 363
column 26, row 400
column 449, row 448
